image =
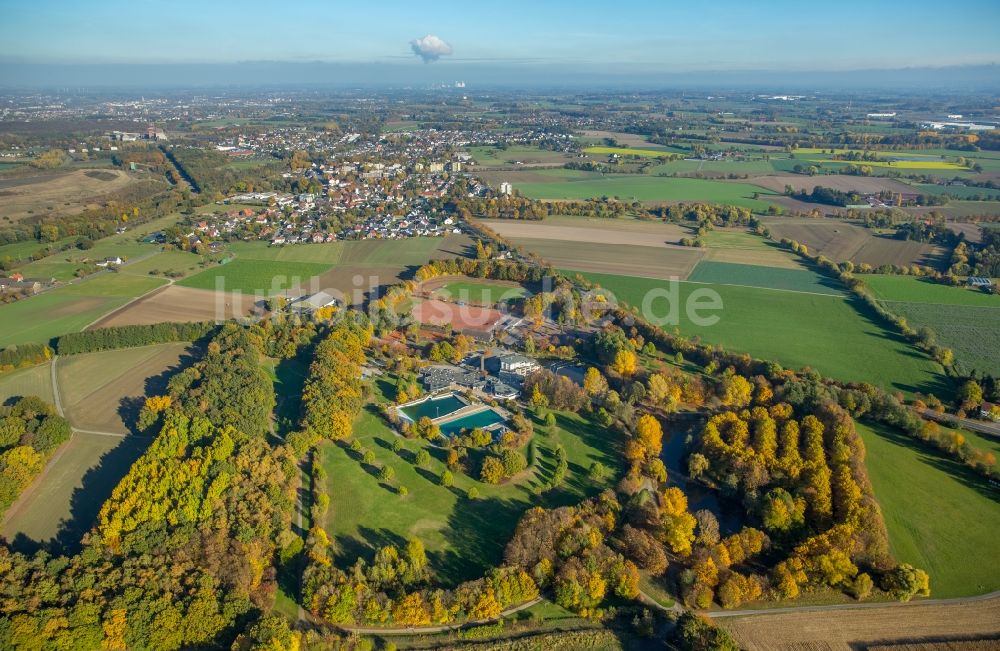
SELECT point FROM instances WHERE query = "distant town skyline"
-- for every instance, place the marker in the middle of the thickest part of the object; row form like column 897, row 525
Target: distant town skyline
column 627, row 37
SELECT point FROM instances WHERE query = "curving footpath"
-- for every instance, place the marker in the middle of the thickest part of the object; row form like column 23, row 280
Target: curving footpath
column 420, row 630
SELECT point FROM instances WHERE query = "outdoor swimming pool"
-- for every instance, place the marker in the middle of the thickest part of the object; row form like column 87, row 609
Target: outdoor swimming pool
column 433, row 408
column 484, row 418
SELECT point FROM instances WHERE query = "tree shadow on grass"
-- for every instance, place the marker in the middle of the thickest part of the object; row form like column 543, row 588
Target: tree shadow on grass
column 931, row 456
column 154, row 385
column 87, row 499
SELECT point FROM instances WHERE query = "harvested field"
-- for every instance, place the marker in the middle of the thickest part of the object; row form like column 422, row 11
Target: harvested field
column 63, row 502
column 58, row 192
column 103, row 391
column 525, row 155
column 622, row 138
column 583, row 229
column 619, row 259
column 836, row 181
column 972, row 232
column 852, row 629
column 740, row 247
column 460, row 317
column 839, row 241
column 178, row 305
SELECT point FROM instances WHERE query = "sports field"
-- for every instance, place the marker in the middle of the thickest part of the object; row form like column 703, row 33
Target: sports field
column 463, row 537
column 481, row 293
column 941, row 516
column 70, row 308
column 798, row 280
column 824, row 332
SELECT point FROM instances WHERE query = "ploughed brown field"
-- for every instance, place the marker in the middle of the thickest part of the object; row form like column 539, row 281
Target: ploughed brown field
column 839, row 241
column 862, row 184
column 179, row 305
column 613, row 246
column 864, row 628
column 583, row 229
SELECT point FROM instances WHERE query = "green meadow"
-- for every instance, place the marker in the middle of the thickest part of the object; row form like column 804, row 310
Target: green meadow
column 827, row 333
column 798, row 280
column 634, row 187
column 255, row 276
column 70, row 308
column 941, row 516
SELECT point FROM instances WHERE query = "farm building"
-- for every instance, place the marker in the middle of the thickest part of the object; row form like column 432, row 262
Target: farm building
column 312, row 302
column 979, row 281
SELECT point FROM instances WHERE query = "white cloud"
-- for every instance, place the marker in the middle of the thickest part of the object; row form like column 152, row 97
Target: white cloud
column 430, row 48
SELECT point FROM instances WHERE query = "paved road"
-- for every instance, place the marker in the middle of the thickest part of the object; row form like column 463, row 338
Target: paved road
column 958, row 601
column 981, row 426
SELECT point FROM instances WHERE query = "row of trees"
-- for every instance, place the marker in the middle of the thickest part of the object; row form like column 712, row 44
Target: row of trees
column 131, row 336
column 23, row 355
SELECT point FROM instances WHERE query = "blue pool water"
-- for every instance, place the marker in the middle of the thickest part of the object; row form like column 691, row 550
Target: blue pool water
column 434, row 408
column 483, row 418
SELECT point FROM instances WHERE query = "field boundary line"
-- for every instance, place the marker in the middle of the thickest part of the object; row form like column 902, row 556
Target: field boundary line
column 984, row 307
column 170, row 282
column 956, row 601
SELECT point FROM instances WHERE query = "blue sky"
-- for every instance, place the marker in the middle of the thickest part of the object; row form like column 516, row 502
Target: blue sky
column 662, row 35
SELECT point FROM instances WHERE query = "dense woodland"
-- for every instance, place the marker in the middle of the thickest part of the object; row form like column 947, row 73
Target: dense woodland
column 182, row 555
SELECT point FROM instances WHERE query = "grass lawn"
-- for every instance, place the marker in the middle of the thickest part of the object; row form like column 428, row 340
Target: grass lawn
column 483, row 293
column 33, row 381
column 940, row 516
column 824, row 332
column 255, row 276
column 289, row 376
column 799, row 280
column 64, row 504
column 70, row 308
column 645, row 188
column 463, row 537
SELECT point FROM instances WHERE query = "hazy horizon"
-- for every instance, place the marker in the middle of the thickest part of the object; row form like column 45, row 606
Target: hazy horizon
column 482, row 76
